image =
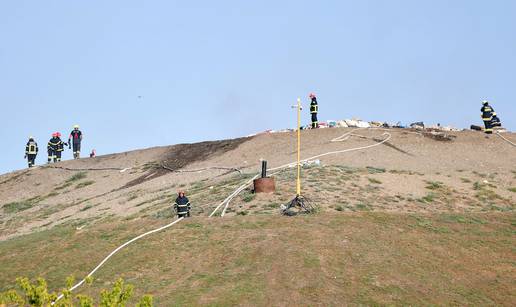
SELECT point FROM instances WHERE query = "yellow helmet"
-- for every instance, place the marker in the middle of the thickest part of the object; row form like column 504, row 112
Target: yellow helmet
column 76, row 126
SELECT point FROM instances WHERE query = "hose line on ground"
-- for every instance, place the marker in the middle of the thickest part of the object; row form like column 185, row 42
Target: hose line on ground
column 343, row 137
column 115, row 251
column 511, row 143
column 229, row 198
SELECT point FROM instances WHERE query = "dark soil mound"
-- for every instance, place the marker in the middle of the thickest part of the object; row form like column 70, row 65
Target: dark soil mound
column 181, row 155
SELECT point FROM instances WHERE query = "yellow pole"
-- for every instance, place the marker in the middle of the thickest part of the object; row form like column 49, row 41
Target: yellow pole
column 298, row 147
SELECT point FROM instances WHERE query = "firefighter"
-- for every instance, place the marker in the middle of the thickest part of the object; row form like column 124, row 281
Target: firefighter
column 75, row 140
column 487, row 116
column 52, row 148
column 59, row 147
column 182, row 205
column 314, row 108
column 31, row 151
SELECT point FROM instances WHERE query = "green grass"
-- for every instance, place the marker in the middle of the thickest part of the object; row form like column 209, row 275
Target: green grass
column 375, row 170
column 248, row 196
column 362, row 258
column 434, row 185
column 428, row 198
column 513, row 189
column 70, row 181
column 87, row 207
column 374, row 181
column 23, row 205
column 362, row 207
column 77, row 176
column 465, row 180
column 84, row 184
column 15, row 207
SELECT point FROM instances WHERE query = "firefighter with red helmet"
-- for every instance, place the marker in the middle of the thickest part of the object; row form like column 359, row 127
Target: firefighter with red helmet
column 55, row 148
column 52, row 148
column 182, row 205
column 60, row 147
column 314, row 108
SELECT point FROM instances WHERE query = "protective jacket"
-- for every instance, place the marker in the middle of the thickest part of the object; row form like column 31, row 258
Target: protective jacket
column 487, row 112
column 314, row 107
column 53, row 144
column 60, row 144
column 75, row 136
column 31, row 148
column 182, row 206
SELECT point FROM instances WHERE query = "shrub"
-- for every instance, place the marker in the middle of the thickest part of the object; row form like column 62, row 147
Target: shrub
column 36, row 294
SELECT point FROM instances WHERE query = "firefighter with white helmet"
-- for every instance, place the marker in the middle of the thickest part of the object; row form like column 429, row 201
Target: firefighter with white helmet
column 75, row 140
column 31, row 151
column 487, row 116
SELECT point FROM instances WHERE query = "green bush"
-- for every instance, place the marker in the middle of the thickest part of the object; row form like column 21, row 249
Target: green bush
column 249, row 196
column 36, row 294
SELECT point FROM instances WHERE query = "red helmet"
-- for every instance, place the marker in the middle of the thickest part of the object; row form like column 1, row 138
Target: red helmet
column 312, row 95
column 54, row 134
column 58, row 134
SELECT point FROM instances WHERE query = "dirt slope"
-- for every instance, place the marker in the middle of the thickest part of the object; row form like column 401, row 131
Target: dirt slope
column 133, row 182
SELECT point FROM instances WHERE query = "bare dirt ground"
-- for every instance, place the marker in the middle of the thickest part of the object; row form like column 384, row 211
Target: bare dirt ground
column 470, row 173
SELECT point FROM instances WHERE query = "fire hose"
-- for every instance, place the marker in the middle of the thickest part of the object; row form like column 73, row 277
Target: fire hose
column 229, row 198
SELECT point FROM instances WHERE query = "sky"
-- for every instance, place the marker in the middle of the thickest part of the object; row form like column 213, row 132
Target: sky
column 137, row 74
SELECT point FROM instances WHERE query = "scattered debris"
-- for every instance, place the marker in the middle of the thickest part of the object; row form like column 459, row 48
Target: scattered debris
column 418, row 125
column 439, row 136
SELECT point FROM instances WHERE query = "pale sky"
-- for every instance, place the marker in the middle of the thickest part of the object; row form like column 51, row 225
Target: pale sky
column 209, row 70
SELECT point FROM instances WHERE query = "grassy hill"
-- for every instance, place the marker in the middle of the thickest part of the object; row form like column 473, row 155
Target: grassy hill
column 413, row 221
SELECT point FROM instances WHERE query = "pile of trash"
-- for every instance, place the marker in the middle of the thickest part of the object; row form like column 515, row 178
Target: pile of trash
column 430, row 130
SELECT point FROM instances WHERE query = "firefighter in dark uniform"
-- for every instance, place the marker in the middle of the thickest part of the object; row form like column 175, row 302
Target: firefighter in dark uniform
column 52, row 148
column 314, row 108
column 74, row 140
column 31, row 151
column 487, row 116
column 182, row 205
column 59, row 148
